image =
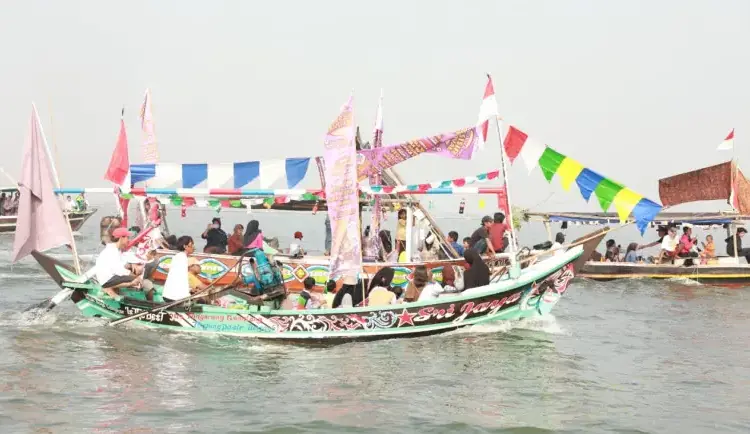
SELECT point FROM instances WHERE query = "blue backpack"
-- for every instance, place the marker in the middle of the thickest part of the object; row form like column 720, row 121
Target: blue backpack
column 268, row 276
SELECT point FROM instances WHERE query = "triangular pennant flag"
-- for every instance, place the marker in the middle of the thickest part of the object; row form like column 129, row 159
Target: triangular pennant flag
column 728, row 143
column 624, row 202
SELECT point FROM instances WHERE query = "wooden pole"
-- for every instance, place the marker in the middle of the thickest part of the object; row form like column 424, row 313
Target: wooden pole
column 513, row 240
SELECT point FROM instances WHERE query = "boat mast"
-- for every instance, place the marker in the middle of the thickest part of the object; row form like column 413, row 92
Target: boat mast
column 513, row 241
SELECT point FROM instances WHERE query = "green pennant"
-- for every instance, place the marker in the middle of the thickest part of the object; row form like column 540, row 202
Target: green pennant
column 127, row 195
column 236, row 203
column 175, row 200
column 549, row 162
column 308, row 196
column 606, row 192
column 213, row 203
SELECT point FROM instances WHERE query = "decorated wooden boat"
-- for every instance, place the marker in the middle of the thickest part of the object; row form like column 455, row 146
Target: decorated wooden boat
column 535, row 291
column 77, row 219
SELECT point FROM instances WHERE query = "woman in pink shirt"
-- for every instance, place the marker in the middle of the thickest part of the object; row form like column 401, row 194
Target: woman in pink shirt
column 685, row 249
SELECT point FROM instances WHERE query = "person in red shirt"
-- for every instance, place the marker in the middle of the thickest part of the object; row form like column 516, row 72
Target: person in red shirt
column 497, row 233
column 686, row 244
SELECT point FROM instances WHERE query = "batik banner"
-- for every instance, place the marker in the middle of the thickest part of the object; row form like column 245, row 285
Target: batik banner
column 456, row 144
column 342, row 195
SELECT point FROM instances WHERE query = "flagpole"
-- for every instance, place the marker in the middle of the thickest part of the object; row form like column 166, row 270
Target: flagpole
column 76, row 260
column 377, row 142
column 513, row 241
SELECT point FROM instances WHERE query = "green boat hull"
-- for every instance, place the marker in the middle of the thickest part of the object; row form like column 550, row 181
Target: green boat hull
column 534, row 293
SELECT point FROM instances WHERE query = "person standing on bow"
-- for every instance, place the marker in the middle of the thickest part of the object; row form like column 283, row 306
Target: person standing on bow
column 216, row 238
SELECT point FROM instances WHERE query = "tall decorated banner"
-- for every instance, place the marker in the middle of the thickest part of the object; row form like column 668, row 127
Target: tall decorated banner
column 150, row 151
column 342, row 195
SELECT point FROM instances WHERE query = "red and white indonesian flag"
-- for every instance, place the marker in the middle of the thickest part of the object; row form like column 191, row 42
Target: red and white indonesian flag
column 728, row 143
column 487, row 111
column 118, row 171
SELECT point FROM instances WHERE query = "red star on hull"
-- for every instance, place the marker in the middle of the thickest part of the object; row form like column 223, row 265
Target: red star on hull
column 406, row 318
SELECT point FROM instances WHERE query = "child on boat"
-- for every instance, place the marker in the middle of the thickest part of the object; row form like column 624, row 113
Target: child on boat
column 305, row 299
column 709, row 249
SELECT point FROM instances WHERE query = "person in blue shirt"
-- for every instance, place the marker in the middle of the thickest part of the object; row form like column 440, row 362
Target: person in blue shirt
column 453, row 239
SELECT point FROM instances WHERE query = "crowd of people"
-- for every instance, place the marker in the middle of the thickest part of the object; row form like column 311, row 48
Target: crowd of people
column 9, row 203
column 380, row 291
column 80, row 203
column 673, row 245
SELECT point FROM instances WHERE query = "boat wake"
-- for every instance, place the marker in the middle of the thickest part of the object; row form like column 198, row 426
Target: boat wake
column 545, row 324
column 34, row 318
column 683, row 281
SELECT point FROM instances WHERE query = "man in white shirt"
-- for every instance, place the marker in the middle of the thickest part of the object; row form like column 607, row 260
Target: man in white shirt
column 111, row 270
column 669, row 245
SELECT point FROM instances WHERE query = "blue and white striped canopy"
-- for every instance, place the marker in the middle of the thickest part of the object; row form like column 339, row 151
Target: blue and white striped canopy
column 219, row 175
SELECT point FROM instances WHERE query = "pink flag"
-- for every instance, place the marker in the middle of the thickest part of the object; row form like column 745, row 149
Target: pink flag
column 342, row 195
column 119, row 165
column 41, row 224
column 150, row 152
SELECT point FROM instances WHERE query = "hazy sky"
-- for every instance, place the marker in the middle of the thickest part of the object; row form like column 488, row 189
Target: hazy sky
column 635, row 90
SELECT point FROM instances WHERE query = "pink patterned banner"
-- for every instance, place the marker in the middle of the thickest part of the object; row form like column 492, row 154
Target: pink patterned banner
column 341, row 189
column 457, row 144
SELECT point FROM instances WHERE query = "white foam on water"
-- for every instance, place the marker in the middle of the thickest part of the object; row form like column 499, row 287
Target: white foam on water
column 546, row 324
column 683, row 281
column 22, row 276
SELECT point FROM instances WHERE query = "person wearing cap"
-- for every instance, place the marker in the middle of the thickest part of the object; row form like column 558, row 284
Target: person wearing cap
column 216, row 238
column 295, row 249
column 111, row 270
column 480, row 239
column 430, row 250
column 740, row 251
column 662, row 232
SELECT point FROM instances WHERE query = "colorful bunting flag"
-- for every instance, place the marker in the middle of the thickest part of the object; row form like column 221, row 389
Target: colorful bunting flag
column 549, row 162
column 606, row 190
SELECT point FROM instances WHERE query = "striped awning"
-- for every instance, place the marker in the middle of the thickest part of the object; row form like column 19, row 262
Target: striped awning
column 210, row 176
